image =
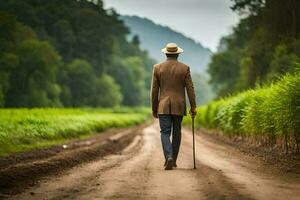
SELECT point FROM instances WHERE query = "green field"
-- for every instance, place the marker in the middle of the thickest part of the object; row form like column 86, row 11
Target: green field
column 268, row 114
column 24, row 129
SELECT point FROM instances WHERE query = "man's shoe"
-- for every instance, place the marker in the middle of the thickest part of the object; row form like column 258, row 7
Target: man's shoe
column 169, row 164
column 174, row 163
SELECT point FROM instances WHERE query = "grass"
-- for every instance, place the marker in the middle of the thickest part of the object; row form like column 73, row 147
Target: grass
column 24, row 129
column 270, row 113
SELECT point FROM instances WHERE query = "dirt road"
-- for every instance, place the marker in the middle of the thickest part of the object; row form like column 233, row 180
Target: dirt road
column 137, row 173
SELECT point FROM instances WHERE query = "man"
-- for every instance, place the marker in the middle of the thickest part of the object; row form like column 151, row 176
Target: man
column 169, row 81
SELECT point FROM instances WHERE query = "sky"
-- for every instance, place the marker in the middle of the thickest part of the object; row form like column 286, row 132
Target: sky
column 205, row 21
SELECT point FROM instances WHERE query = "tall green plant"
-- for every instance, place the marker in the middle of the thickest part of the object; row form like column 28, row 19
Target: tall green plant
column 271, row 112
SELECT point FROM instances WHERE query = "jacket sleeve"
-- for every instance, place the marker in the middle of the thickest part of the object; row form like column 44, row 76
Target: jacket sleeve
column 190, row 89
column 154, row 91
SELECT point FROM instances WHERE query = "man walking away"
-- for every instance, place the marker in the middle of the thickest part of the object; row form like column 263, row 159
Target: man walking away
column 170, row 79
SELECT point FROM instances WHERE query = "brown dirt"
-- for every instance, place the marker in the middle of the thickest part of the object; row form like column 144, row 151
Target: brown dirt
column 21, row 170
column 274, row 156
column 137, row 173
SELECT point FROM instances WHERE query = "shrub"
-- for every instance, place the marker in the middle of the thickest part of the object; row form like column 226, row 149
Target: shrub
column 271, row 112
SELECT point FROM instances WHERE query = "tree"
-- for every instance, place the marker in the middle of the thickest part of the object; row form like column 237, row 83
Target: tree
column 8, row 62
column 284, row 60
column 263, row 46
column 64, row 39
column 93, row 41
column 80, row 80
column 12, row 35
column 224, row 71
column 108, row 92
column 136, row 40
column 33, row 80
column 82, row 87
column 129, row 74
column 248, row 6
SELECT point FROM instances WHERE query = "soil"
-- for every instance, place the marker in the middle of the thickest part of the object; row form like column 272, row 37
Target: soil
column 136, row 172
column 273, row 156
column 22, row 170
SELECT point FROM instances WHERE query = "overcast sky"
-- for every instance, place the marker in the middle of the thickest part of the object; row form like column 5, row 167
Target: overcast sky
column 205, row 21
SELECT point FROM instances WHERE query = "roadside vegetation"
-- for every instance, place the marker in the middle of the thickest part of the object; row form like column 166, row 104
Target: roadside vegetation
column 24, row 129
column 270, row 115
column 256, row 75
column 262, row 47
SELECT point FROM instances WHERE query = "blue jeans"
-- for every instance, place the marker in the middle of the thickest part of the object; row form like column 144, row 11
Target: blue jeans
column 168, row 124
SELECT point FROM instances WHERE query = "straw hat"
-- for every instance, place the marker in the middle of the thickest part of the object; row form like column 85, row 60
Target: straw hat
column 172, row 48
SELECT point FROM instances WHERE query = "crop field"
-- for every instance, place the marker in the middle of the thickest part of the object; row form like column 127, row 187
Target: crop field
column 267, row 114
column 23, row 129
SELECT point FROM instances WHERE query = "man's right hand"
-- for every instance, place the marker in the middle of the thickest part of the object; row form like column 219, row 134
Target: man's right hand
column 154, row 114
column 193, row 112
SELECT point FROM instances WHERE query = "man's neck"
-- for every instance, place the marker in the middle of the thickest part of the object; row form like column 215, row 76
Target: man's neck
column 171, row 58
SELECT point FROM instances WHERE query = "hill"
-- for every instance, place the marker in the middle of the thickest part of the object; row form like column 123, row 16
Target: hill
column 154, row 36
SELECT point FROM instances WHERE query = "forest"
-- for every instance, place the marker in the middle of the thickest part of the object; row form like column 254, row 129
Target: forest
column 263, row 46
column 69, row 54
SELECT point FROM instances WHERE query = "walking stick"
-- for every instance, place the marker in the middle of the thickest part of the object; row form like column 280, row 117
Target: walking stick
column 193, row 129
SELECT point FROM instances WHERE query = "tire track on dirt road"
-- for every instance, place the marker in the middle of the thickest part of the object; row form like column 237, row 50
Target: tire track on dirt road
column 137, row 173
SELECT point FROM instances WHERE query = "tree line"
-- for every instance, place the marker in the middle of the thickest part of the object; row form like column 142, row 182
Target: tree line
column 69, row 53
column 263, row 46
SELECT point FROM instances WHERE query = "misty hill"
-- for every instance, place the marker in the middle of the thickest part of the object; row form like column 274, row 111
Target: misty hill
column 153, row 37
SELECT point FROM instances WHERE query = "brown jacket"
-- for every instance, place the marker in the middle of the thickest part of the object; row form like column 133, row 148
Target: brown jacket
column 169, row 80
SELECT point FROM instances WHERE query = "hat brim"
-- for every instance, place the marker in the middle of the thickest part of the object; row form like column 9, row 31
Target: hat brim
column 179, row 50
